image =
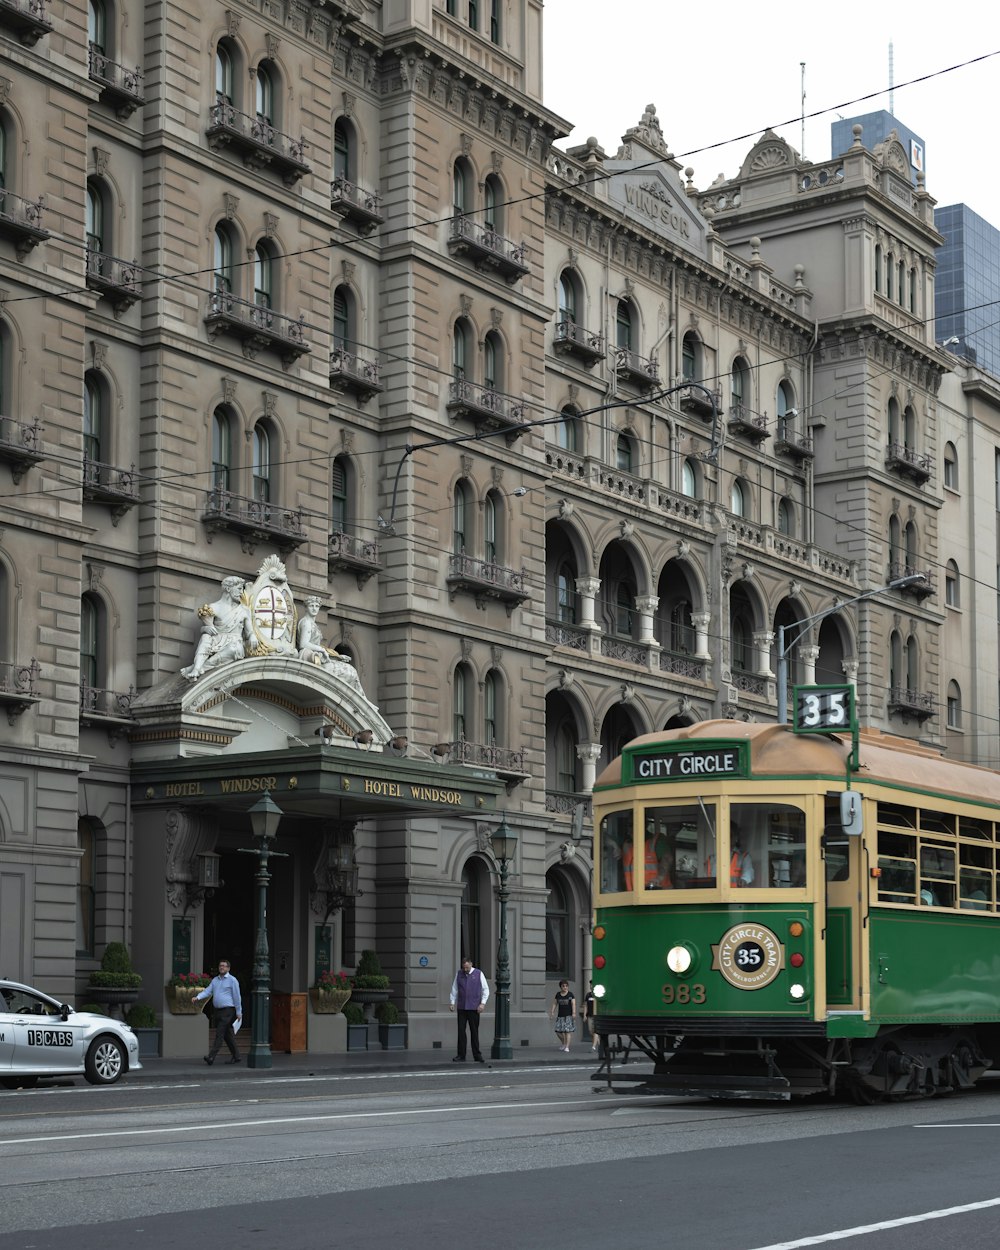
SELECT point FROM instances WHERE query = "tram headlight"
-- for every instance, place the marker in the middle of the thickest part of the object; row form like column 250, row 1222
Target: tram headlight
column 797, row 991
column 599, row 991
column 678, row 959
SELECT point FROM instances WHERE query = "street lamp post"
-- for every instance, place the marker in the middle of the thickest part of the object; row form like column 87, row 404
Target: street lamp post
column 265, row 816
column 899, row 583
column 504, row 842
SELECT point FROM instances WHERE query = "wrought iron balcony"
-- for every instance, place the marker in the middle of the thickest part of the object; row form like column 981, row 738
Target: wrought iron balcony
column 486, row 249
column 798, row 446
column 20, row 445
column 907, row 703
column 353, row 374
column 504, row 761
column 257, row 141
column 121, row 87
column 349, row 554
column 573, row 340
column 27, row 19
column 565, row 802
column 256, row 327
column 636, row 369
column 109, row 485
column 253, row 520
column 18, row 690
column 483, row 579
column 615, row 648
column 750, row 683
column 919, row 590
column 117, row 280
column 695, row 400
column 111, row 709
column 902, row 459
column 743, row 421
column 489, row 410
column 559, row 634
column 21, row 221
column 682, row 665
column 356, row 204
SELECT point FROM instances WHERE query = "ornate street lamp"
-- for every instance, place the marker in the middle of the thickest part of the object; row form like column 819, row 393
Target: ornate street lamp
column 265, row 816
column 504, row 842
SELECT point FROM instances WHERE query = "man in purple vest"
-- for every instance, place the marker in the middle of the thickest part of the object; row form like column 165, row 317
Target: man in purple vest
column 469, row 995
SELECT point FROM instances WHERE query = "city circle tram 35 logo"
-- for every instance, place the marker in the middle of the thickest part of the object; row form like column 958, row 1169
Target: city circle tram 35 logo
column 749, row 956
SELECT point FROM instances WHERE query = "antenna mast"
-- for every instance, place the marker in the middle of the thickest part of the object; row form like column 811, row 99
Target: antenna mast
column 892, row 107
column 802, row 143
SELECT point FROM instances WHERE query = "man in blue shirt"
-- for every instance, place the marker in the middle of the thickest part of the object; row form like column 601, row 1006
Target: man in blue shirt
column 224, row 990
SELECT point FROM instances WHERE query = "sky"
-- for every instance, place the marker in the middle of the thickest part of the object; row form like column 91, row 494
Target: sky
column 719, row 71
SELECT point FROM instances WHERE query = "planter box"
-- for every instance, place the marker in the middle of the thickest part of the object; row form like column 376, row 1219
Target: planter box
column 180, row 1000
column 357, row 1037
column 392, row 1036
column 149, row 1042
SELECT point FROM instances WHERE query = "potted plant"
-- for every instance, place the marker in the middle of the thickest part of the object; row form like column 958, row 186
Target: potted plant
column 180, row 992
column 115, row 984
column 370, row 984
column 357, row 1030
column 330, row 993
column 141, row 1019
column 391, row 1032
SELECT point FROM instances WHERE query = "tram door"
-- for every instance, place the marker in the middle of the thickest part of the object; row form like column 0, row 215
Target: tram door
column 845, row 895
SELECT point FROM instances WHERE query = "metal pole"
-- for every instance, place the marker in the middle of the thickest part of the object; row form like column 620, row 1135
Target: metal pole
column 782, row 678
column 260, row 1047
column 502, row 1048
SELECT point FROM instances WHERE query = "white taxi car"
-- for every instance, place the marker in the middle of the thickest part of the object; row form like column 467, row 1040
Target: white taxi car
column 39, row 1037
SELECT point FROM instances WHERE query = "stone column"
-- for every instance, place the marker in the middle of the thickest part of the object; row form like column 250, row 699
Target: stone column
column 587, row 588
column 701, row 622
column 762, row 641
column 588, row 754
column 809, row 657
column 646, row 606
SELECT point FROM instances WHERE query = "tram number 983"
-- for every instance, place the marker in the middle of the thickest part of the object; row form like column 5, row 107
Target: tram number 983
column 684, row 993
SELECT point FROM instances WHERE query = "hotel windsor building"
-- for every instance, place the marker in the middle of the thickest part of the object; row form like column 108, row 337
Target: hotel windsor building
column 364, row 448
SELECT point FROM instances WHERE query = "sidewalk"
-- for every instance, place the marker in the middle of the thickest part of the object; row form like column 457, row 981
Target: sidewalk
column 356, row 1062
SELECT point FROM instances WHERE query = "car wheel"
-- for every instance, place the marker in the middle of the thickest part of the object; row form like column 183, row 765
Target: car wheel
column 105, row 1061
column 19, row 1082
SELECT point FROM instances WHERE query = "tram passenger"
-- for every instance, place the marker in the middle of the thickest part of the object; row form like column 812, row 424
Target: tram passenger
column 740, row 866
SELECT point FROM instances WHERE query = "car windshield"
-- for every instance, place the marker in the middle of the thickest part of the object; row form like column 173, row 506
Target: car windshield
column 27, row 1003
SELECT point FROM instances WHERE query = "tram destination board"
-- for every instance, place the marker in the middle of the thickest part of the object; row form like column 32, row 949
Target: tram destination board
column 706, row 762
column 823, row 709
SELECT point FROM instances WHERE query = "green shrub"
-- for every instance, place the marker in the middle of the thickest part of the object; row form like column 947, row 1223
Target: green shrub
column 141, row 1016
column 369, row 975
column 387, row 1013
column 353, row 1013
column 116, row 970
column 116, row 958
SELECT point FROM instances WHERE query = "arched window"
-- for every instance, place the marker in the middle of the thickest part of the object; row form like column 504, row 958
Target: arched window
column 567, row 431
column 901, row 283
column 261, row 443
column 224, row 76
column 342, row 150
column 557, row 927
column 263, row 276
column 681, row 628
column 222, row 450
column 492, row 729
column 93, row 417
column 491, row 547
column 785, row 517
column 493, row 203
column 737, row 498
column 461, row 686
column 625, row 458
column 566, row 759
column 461, row 182
column 878, row 268
column 222, row 260
column 474, row 14
column 460, row 515
column 951, row 585
column 913, row 290
column 86, row 888
column 624, row 610
column 451, row 7
column 567, row 298
column 909, row 428
column 95, row 218
column 950, row 474
column 5, row 172
column 265, row 100
column 460, row 350
column 690, row 348
column 623, row 324
column 342, row 305
column 890, row 269
column 740, row 384
column 339, row 495
column 910, row 544
column 896, row 553
column 472, row 920
column 895, row 661
column 97, row 27
column 742, row 636
column 912, row 664
column 893, row 414
column 954, row 705
column 91, row 657
column 566, row 595
column 495, row 21
column 689, row 479
column 493, row 361
column 785, row 408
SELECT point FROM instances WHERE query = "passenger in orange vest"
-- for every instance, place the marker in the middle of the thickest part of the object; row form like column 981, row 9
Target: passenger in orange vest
column 740, row 867
column 628, row 859
column 651, row 878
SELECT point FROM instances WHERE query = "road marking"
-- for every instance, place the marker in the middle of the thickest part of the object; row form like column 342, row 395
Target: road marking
column 298, row 1119
column 862, row 1229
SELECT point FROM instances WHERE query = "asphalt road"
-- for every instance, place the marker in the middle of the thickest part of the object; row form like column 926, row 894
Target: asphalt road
column 523, row 1158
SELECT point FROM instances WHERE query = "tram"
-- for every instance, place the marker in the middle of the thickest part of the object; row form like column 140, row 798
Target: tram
column 782, row 913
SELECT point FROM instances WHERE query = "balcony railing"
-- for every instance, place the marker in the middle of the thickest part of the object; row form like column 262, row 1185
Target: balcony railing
column 560, row 634
column 107, row 484
column 682, row 665
column 919, row 590
column 484, row 579
column 502, row 760
column 349, row 554
column 121, row 87
column 356, row 204
column 622, row 649
column 909, row 703
column 117, row 280
column 257, row 141
column 573, row 340
column 105, row 705
column 695, row 400
column 352, row 373
column 18, row 690
column 750, row 683
column 21, row 221
column 788, row 443
column 903, row 459
column 26, row 18
column 253, row 520
column 565, row 802
column 743, row 421
column 257, row 327
column 20, row 445
column 637, row 370
column 486, row 249
column 490, row 410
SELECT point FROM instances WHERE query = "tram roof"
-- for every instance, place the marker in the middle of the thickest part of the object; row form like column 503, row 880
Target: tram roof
column 777, row 750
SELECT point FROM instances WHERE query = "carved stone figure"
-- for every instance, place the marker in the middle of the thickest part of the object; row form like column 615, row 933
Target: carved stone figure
column 226, row 631
column 313, row 650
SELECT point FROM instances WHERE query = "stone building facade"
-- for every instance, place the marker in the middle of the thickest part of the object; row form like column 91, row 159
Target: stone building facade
column 557, row 440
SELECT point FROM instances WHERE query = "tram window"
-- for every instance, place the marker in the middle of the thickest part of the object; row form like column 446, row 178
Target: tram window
column 975, row 856
column 893, row 814
column 937, row 861
column 767, row 845
column 975, row 889
column 975, row 828
column 898, row 880
column 837, row 861
column 617, row 852
column 897, row 845
column 936, row 822
column 679, row 847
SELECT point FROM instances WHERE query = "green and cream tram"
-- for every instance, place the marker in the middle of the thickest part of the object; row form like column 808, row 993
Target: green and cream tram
column 780, row 914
